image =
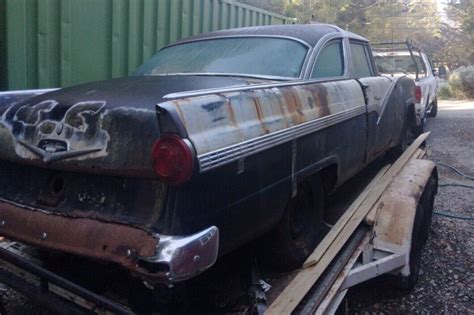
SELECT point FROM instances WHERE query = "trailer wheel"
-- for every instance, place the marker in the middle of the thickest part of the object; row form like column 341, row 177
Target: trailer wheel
column 420, row 234
column 298, row 232
column 427, row 200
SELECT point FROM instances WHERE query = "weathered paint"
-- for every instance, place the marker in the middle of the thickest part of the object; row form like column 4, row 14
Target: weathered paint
column 297, row 128
column 52, row 43
column 111, row 242
column 88, row 120
column 397, row 206
column 222, row 120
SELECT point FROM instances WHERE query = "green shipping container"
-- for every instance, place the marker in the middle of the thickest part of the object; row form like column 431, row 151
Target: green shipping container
column 52, row 43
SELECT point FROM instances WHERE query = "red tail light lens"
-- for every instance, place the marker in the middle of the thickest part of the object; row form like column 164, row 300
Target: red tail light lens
column 417, row 94
column 172, row 160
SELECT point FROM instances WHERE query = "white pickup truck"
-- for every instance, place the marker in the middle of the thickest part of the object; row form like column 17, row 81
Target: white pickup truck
column 418, row 66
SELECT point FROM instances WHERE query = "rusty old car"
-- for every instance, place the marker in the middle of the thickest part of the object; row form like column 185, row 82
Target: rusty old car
column 216, row 141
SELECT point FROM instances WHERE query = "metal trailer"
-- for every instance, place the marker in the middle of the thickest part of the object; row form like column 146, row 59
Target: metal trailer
column 388, row 239
column 390, row 245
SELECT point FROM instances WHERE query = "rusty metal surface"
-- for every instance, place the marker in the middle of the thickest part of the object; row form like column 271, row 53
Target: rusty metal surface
column 258, row 119
column 393, row 224
column 132, row 201
column 397, row 206
column 104, row 127
column 96, row 239
column 84, row 134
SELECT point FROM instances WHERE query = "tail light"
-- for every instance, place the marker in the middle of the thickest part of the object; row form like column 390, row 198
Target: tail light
column 417, row 94
column 172, row 160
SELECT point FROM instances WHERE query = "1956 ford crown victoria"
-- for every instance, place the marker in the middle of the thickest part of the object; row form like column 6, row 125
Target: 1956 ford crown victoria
column 213, row 142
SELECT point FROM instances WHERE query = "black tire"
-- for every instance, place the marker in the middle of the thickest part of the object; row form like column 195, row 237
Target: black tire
column 418, row 130
column 434, row 108
column 409, row 282
column 421, row 228
column 427, row 200
column 295, row 237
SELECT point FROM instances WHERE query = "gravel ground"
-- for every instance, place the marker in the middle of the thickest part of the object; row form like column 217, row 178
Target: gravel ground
column 447, row 280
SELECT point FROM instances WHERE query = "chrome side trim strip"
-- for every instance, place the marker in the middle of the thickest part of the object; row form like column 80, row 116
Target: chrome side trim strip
column 386, row 98
column 241, row 88
column 26, row 92
column 214, row 159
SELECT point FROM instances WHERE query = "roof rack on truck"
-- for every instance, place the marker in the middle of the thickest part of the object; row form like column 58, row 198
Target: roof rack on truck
column 392, row 47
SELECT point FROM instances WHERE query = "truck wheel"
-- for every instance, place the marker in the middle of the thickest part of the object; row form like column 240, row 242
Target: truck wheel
column 298, row 232
column 418, row 130
column 434, row 108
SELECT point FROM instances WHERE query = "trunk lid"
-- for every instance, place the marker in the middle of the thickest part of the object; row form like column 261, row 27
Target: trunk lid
column 106, row 127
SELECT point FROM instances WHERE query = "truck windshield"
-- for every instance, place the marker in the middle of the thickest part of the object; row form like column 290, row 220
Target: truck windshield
column 399, row 64
column 257, row 56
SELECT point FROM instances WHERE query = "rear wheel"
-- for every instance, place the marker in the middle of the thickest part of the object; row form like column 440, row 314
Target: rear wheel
column 298, row 232
column 418, row 130
column 408, row 282
column 434, row 108
column 420, row 234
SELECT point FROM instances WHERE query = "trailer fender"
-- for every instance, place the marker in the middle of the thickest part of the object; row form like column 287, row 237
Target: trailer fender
column 396, row 209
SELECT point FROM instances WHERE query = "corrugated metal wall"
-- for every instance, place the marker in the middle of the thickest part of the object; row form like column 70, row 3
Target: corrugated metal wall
column 3, row 47
column 54, row 43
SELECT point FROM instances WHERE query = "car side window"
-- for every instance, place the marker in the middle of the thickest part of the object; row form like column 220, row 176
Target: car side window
column 360, row 60
column 330, row 62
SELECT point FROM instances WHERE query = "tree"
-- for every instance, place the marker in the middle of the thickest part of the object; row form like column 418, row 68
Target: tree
column 448, row 40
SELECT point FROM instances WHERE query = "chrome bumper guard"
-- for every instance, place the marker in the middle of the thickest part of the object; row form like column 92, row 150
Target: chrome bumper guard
column 179, row 258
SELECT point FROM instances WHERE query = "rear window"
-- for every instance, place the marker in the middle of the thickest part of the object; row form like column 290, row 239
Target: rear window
column 264, row 56
column 399, row 64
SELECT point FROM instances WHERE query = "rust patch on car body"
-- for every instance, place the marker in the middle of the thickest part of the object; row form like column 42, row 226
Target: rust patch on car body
column 223, row 119
column 110, row 242
column 320, row 96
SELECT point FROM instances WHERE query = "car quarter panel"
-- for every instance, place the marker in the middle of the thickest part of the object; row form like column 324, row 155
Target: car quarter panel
column 226, row 127
column 380, row 109
column 295, row 130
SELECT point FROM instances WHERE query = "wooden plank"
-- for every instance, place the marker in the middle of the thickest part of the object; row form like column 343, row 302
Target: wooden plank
column 341, row 278
column 417, row 154
column 324, row 254
column 337, row 228
column 423, row 154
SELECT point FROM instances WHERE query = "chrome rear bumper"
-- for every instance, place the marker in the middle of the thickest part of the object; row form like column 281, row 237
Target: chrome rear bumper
column 179, row 258
column 155, row 257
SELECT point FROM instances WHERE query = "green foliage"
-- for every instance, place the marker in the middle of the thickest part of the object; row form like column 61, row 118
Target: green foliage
column 461, row 82
column 447, row 41
column 444, row 93
column 456, row 45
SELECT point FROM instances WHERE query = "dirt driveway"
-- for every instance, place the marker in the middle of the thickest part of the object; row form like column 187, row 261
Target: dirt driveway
column 447, row 274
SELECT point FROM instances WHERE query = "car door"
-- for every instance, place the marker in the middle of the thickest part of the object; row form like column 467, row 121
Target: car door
column 346, row 139
column 376, row 88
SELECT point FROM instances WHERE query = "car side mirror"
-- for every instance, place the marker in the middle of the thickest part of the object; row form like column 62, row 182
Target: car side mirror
column 436, row 73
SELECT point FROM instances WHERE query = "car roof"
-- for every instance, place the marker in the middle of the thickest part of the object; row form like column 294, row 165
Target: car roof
column 308, row 33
